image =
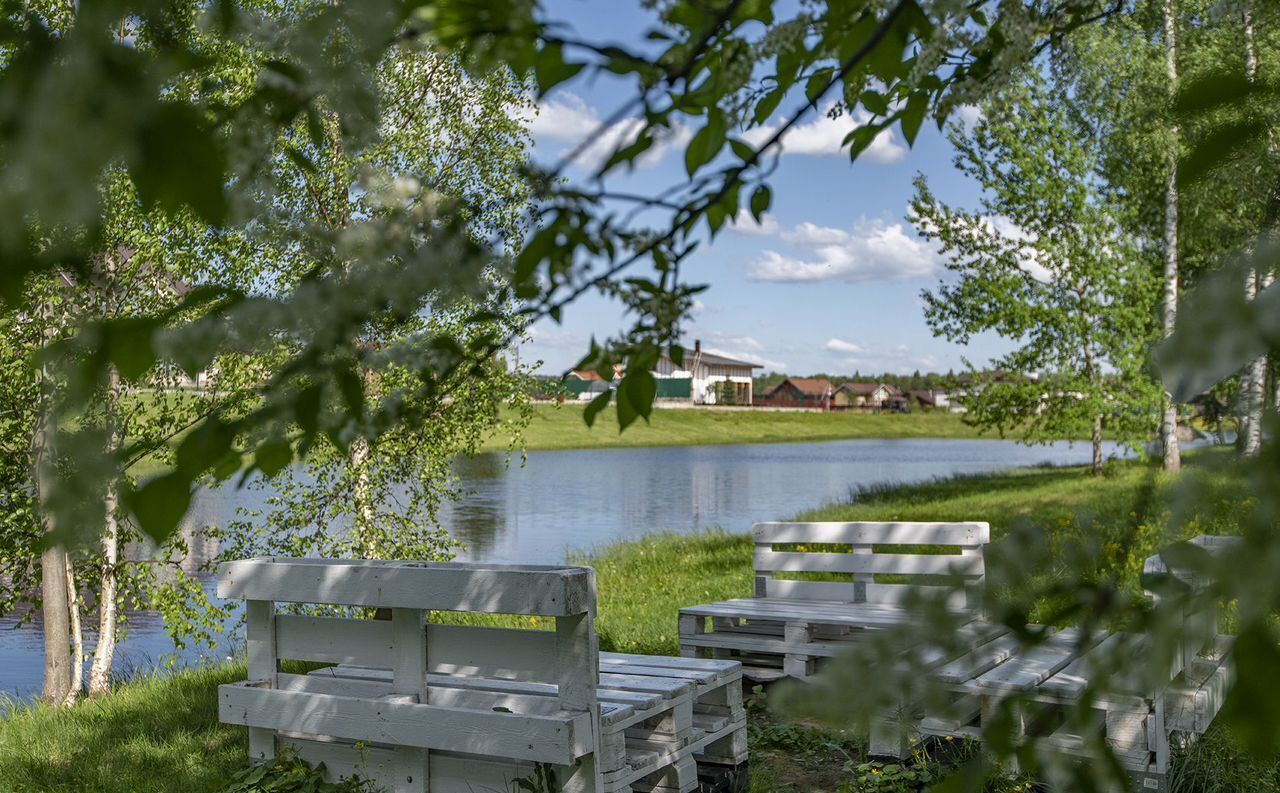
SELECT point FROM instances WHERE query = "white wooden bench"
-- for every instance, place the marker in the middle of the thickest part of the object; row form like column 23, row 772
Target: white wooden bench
column 1135, row 716
column 418, row 706
column 884, row 568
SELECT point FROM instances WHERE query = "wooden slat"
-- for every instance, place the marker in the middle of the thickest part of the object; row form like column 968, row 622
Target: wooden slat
column 1031, row 667
column 1120, row 656
column 872, row 563
column 452, row 649
column 401, row 723
column 449, row 773
column 507, row 653
column 851, row 614
column 866, row 533
column 334, row 640
column 809, row 590
column 442, row 586
column 953, row 598
column 979, row 660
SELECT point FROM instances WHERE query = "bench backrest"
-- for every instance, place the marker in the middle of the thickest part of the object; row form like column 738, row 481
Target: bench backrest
column 879, row 563
column 566, row 657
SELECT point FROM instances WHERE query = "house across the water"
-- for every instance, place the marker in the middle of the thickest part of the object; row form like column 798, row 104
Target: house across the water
column 702, row 378
column 706, row 378
column 814, row 393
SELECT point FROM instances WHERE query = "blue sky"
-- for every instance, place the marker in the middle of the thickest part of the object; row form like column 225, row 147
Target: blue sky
column 829, row 282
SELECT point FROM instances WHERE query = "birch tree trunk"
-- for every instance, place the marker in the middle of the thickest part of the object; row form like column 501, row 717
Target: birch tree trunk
column 1172, row 458
column 1254, row 383
column 77, row 635
column 55, row 613
column 108, row 593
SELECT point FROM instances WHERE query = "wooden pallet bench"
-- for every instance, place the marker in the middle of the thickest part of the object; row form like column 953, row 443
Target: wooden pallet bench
column 1136, row 716
column 797, row 620
column 418, row 706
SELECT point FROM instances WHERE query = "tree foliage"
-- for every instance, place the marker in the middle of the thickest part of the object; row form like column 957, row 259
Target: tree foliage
column 1045, row 263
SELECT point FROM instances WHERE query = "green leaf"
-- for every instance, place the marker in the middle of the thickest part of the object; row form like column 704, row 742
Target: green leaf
column 641, row 388
column 179, row 162
column 912, row 116
column 818, row 83
column 273, row 456
column 741, row 150
column 129, row 348
column 875, row 102
column 1212, row 91
column 550, row 68
column 1255, row 698
column 708, row 141
column 761, row 199
column 158, row 506
column 599, row 403
column 1218, row 147
column 767, row 104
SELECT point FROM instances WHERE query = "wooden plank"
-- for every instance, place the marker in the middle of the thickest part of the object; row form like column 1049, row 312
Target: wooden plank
column 453, row 649
column 1124, row 658
column 708, row 664
column 867, row 533
column 809, row 590
column 401, row 723
column 517, row 702
column 577, row 678
column 260, row 641
column 855, row 615
column 1032, row 666
column 552, row 591
column 902, row 595
column 508, row 653
column 409, row 677
column 638, row 699
column 870, row 563
column 450, row 773
column 334, row 640
column 980, row 659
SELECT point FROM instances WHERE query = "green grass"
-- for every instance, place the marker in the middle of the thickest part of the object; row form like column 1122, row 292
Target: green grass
column 160, row 734
column 562, row 427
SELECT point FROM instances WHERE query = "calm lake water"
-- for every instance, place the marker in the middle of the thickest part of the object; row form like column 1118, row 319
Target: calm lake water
column 567, row 500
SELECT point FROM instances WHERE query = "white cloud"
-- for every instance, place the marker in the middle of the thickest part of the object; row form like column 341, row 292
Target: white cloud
column 898, row 359
column 743, row 223
column 967, row 115
column 742, row 347
column 842, row 346
column 567, row 119
column 875, row 250
column 824, row 136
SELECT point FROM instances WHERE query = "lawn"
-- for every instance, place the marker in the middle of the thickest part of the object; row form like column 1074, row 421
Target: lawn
column 160, row 734
column 561, row 427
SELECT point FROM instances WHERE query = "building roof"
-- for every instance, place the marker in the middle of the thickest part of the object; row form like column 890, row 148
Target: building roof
column 717, row 360
column 923, row 397
column 860, row 389
column 810, row 386
column 586, row 374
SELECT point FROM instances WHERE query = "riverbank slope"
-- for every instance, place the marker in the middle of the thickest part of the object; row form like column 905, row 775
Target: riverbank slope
column 161, row 735
column 561, row 427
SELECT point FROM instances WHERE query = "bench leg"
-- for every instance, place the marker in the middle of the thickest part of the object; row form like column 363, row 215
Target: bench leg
column 798, row 665
column 692, row 626
column 891, row 734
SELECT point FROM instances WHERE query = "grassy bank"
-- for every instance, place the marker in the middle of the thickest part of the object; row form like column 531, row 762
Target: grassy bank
column 161, row 735
column 561, row 427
